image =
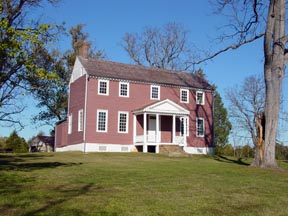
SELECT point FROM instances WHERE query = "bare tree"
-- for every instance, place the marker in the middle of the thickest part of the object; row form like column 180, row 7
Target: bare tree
column 246, row 111
column 165, row 47
column 250, row 20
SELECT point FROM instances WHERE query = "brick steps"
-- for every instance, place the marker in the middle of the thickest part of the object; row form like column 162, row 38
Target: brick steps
column 172, row 151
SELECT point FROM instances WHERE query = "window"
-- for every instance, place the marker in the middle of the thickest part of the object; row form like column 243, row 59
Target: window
column 123, row 122
column 200, row 97
column 70, row 124
column 123, row 89
column 200, row 127
column 80, row 120
column 155, row 92
column 184, row 96
column 184, row 125
column 102, row 117
column 103, row 87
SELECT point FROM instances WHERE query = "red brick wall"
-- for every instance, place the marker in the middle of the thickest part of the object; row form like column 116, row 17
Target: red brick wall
column 166, row 129
column 61, row 134
column 139, row 97
column 76, row 103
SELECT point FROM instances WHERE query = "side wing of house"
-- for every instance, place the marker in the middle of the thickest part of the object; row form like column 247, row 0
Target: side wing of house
column 69, row 135
column 61, row 130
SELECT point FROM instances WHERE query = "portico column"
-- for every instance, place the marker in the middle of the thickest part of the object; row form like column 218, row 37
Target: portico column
column 173, row 128
column 157, row 134
column 185, row 130
column 157, row 128
column 134, row 128
column 145, row 132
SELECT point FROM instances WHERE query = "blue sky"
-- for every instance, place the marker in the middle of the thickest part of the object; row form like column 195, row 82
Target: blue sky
column 107, row 21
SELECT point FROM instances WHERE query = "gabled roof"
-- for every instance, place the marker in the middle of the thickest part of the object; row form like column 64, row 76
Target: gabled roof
column 120, row 71
column 45, row 139
column 163, row 107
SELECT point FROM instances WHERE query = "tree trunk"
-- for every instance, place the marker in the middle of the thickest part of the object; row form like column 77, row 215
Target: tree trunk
column 257, row 159
column 274, row 51
column 273, row 87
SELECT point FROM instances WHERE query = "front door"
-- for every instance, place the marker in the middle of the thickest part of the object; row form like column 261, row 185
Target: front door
column 152, row 129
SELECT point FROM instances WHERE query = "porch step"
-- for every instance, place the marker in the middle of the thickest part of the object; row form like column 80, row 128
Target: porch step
column 172, row 151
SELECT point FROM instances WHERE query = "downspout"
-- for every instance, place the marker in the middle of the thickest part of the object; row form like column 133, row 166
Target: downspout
column 85, row 111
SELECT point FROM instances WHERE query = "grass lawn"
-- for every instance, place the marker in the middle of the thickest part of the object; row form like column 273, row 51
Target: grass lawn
column 138, row 184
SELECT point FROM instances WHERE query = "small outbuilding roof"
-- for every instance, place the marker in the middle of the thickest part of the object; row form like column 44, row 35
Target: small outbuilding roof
column 47, row 139
column 112, row 70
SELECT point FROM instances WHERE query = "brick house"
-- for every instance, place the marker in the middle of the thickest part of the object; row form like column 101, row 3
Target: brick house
column 115, row 107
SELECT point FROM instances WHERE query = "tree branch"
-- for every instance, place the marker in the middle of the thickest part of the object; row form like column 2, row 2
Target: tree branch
column 228, row 48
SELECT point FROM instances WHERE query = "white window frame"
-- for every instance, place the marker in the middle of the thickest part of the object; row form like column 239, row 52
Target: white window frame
column 151, row 92
column 126, row 123
column 202, row 102
column 181, row 94
column 107, row 86
column 70, row 118
column 128, row 87
column 106, row 121
column 197, row 126
column 80, row 120
column 187, row 126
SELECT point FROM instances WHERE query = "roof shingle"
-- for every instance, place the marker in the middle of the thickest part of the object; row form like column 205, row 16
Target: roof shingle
column 113, row 70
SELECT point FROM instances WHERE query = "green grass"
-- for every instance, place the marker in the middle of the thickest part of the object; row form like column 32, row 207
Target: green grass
column 138, row 184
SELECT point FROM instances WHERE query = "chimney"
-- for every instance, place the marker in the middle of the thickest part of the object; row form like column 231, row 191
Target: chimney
column 83, row 50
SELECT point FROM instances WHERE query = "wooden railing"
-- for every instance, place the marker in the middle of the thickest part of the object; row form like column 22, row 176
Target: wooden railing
column 152, row 139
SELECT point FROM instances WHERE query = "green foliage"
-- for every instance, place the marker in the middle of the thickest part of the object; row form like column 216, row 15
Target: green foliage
column 2, row 143
column 19, row 33
column 52, row 94
column 281, row 152
column 16, row 144
column 239, row 151
column 226, row 150
column 247, row 152
column 222, row 125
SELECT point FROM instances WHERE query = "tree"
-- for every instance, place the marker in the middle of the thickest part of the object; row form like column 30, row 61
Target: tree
column 2, row 143
column 247, row 151
column 222, row 125
column 18, row 33
column 250, row 20
column 16, row 144
column 228, row 150
column 165, row 47
column 79, row 37
column 52, row 94
column 246, row 105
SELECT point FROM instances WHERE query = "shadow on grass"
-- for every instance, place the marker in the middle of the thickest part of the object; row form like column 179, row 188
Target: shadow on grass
column 17, row 162
column 57, row 203
column 238, row 161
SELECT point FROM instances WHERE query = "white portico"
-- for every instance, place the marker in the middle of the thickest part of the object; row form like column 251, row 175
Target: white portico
column 160, row 123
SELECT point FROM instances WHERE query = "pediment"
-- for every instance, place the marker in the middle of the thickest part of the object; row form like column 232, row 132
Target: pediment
column 78, row 70
column 164, row 107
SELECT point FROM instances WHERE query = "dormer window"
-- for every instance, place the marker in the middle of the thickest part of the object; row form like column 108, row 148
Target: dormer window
column 200, row 97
